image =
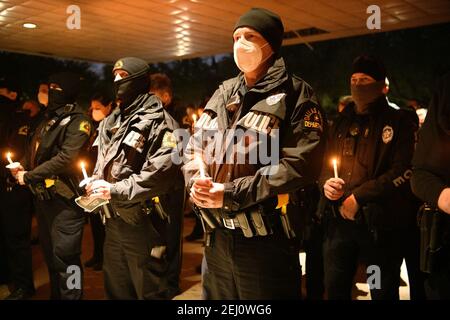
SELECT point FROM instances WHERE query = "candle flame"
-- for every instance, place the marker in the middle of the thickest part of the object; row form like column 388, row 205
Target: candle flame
column 8, row 156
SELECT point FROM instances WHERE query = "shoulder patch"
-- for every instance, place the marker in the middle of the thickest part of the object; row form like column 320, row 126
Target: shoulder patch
column 313, row 119
column 23, row 131
column 169, row 140
column 85, row 127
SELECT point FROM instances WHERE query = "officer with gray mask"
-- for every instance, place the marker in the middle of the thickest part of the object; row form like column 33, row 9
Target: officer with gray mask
column 367, row 194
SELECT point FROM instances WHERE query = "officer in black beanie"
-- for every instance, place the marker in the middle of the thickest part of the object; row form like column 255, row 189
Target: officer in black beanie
column 369, row 207
column 135, row 172
column 251, row 214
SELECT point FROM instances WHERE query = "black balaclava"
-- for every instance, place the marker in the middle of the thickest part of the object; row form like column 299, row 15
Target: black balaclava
column 70, row 88
column 136, row 83
column 267, row 23
column 365, row 94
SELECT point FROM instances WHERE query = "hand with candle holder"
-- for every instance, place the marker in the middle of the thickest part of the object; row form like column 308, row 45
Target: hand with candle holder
column 15, row 167
column 93, row 199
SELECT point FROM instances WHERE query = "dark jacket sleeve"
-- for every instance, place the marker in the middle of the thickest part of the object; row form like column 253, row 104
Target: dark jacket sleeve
column 157, row 174
column 427, row 186
column 376, row 189
column 299, row 166
column 74, row 140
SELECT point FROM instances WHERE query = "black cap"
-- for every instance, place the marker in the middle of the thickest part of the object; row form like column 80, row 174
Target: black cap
column 370, row 66
column 134, row 66
column 69, row 82
column 10, row 84
column 267, row 23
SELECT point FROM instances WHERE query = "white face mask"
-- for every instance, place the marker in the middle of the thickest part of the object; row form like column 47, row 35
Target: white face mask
column 248, row 56
column 98, row 114
column 43, row 98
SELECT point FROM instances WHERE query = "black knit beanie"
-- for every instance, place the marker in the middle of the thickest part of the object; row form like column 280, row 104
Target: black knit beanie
column 267, row 23
column 370, row 66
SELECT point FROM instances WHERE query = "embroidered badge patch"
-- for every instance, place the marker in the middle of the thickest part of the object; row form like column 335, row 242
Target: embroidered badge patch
column 388, row 134
column 23, row 131
column 85, row 127
column 169, row 140
column 313, row 119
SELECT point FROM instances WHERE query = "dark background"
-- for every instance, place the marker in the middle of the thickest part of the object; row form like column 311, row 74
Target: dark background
column 414, row 59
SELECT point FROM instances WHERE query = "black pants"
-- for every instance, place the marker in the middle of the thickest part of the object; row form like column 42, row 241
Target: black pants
column 410, row 243
column 437, row 284
column 251, row 268
column 346, row 243
column 174, row 240
column 315, row 287
column 15, row 221
column 130, row 271
column 60, row 234
column 98, row 236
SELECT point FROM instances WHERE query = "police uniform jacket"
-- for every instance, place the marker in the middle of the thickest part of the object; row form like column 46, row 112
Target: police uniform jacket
column 377, row 165
column 280, row 106
column 55, row 154
column 135, row 149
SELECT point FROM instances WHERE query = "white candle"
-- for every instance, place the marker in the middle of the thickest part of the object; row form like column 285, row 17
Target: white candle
column 83, row 169
column 8, row 156
column 202, row 169
column 194, row 117
column 335, row 168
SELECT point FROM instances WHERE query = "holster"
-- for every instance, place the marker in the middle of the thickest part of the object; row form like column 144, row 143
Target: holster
column 41, row 192
column 432, row 224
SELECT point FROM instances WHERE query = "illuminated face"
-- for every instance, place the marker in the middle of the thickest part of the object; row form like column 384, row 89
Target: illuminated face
column 361, row 79
column 120, row 74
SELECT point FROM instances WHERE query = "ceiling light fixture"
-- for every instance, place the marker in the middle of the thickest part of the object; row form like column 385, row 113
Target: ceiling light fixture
column 29, row 25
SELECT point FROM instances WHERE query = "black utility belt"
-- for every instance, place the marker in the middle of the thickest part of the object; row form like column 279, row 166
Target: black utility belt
column 250, row 223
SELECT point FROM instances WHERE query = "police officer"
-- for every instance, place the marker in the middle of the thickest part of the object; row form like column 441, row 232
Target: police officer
column 431, row 183
column 17, row 208
column 135, row 172
column 373, row 145
column 245, row 203
column 161, row 86
column 52, row 176
column 9, row 93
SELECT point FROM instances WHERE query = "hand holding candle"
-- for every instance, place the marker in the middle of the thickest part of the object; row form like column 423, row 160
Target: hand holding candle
column 334, row 187
column 13, row 166
column 86, row 179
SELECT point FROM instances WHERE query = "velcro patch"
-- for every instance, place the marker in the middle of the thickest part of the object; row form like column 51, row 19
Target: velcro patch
column 135, row 140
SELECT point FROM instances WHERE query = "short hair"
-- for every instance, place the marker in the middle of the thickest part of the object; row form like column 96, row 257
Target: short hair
column 104, row 98
column 160, row 82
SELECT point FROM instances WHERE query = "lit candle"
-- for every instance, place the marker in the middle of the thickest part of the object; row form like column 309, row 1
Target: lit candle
column 83, row 169
column 8, row 156
column 202, row 169
column 194, row 117
column 335, row 168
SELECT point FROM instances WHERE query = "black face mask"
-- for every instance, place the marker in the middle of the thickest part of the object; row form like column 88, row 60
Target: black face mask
column 56, row 100
column 127, row 89
column 365, row 94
